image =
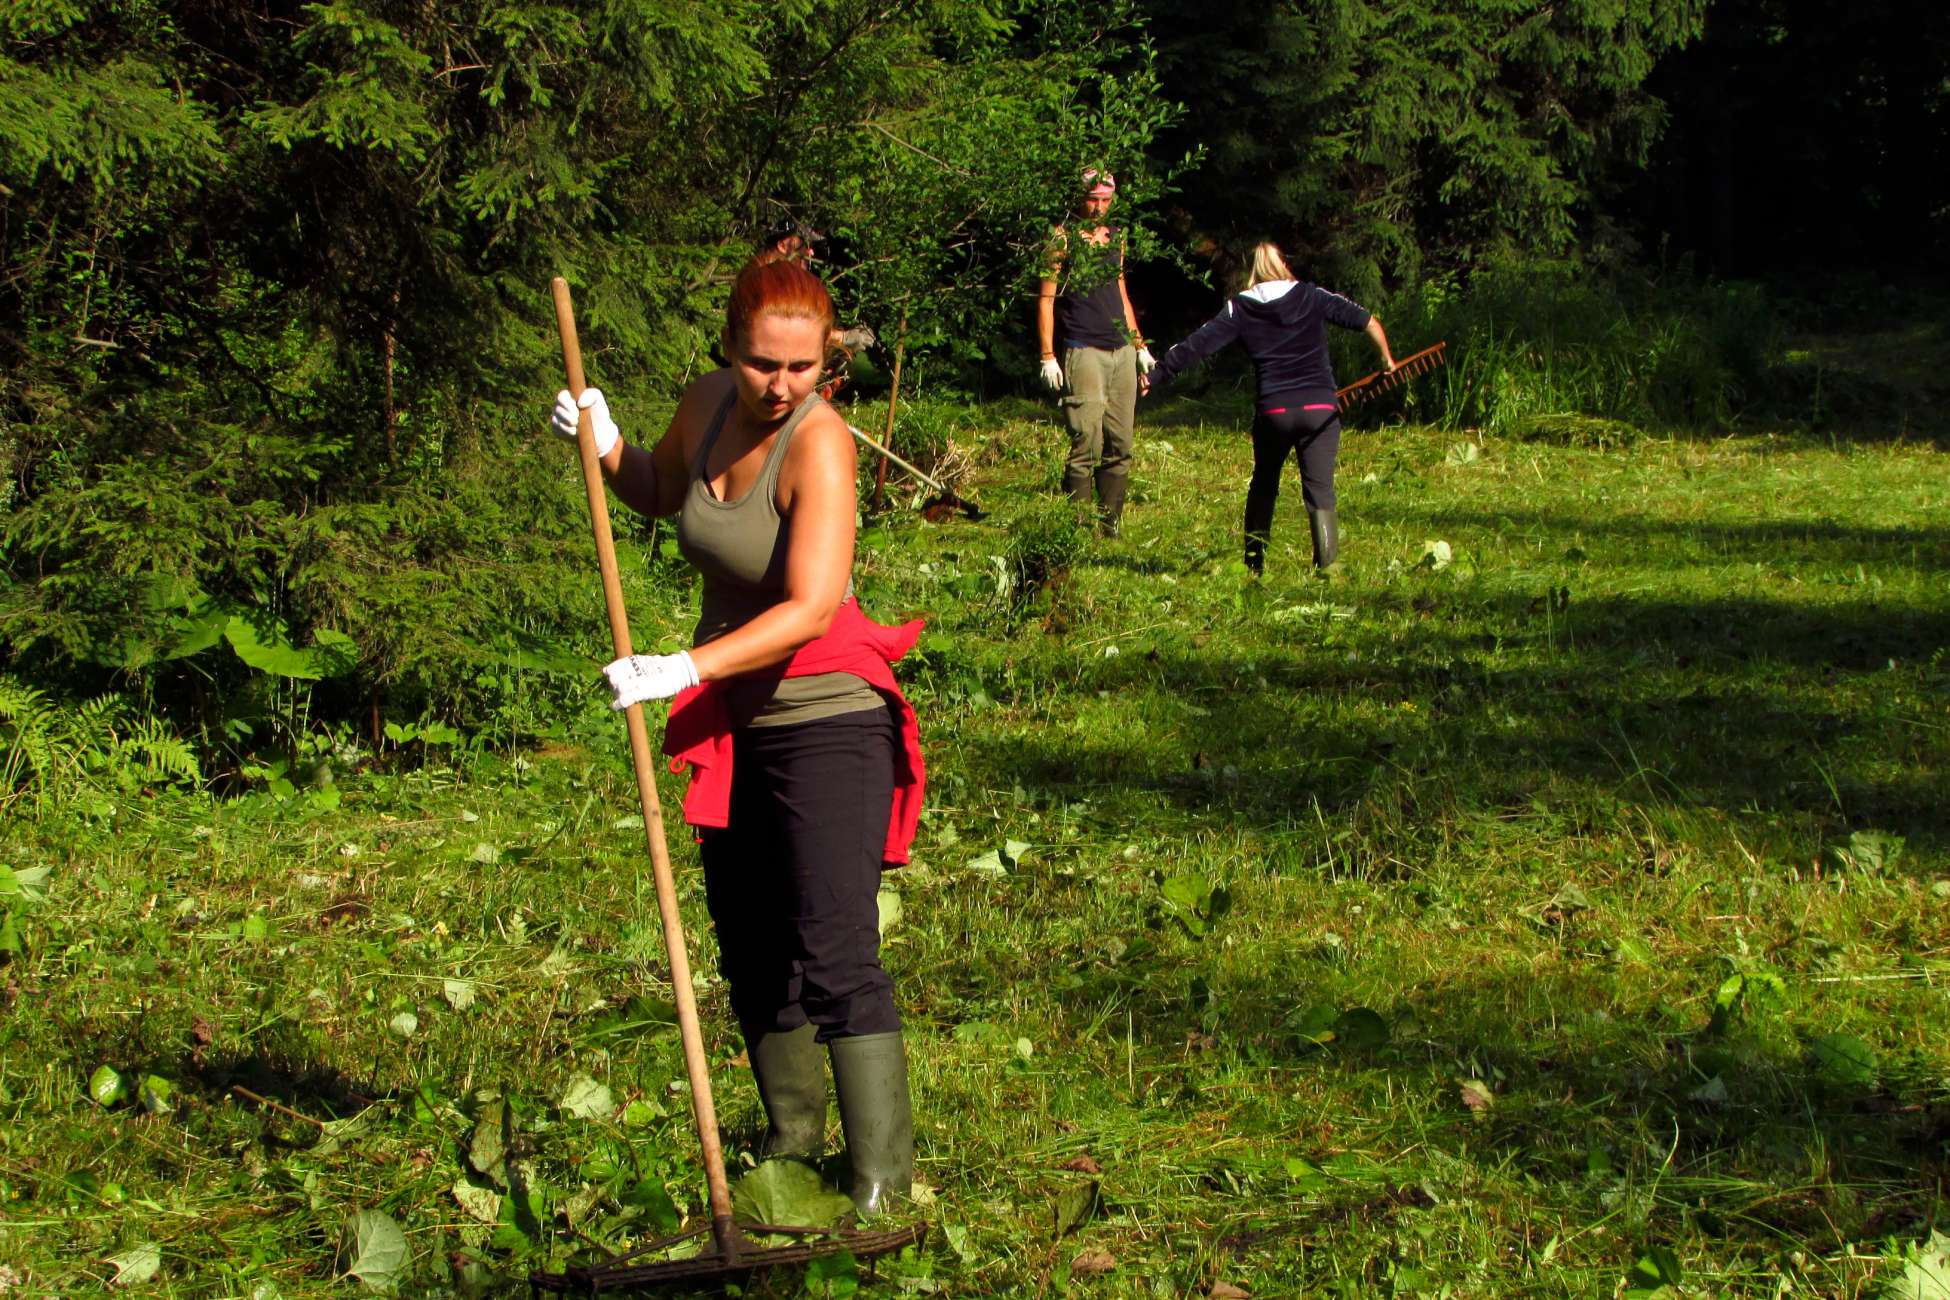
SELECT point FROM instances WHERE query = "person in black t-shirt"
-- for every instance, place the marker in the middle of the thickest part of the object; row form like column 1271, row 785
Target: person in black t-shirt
column 1082, row 296
column 1283, row 323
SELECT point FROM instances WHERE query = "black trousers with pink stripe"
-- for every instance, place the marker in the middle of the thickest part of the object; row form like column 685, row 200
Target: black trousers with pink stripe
column 1313, row 437
column 793, row 882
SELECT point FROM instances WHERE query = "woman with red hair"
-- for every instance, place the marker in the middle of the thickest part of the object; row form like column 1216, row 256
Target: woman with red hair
column 806, row 771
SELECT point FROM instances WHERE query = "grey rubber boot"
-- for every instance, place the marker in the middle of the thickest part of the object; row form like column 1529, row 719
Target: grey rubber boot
column 792, row 1084
column 870, row 1076
column 1076, row 484
column 1327, row 537
column 1110, row 501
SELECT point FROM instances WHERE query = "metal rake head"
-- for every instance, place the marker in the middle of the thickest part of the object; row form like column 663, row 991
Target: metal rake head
column 1384, row 380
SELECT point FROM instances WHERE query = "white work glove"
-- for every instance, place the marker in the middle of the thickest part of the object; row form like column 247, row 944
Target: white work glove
column 1146, row 361
column 858, row 339
column 649, row 677
column 1052, row 374
column 563, row 418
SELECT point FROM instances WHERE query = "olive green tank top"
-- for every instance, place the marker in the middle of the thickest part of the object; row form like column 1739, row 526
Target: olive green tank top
column 738, row 548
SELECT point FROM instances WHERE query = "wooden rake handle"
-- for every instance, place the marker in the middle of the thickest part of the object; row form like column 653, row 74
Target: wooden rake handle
column 1419, row 363
column 646, row 788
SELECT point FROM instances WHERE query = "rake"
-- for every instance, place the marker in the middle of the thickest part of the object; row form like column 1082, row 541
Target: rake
column 730, row 1251
column 945, row 501
column 1381, row 381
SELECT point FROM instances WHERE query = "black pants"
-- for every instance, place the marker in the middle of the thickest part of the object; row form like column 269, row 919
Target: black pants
column 793, row 882
column 1311, row 437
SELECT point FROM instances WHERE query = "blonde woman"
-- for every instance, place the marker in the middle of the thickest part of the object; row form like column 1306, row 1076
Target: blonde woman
column 1283, row 323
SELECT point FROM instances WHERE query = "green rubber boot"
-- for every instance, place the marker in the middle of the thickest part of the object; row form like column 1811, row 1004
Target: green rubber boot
column 870, row 1076
column 792, row 1084
column 1327, row 538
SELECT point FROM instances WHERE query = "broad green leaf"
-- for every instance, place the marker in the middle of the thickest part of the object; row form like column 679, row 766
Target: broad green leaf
column 790, row 1194
column 889, row 903
column 1656, row 1268
column 1190, row 891
column 487, row 1151
column 10, row 942
column 988, row 864
column 956, row 1235
column 482, row 1203
column 374, row 1250
column 107, row 1087
column 404, row 1025
column 1875, row 850
column 1843, row 1060
column 485, row 854
column 1076, row 1206
column 1316, row 1023
column 833, row 1277
column 155, row 1095
column 1925, row 1274
column 263, row 645
column 256, row 929
column 1361, row 1027
column 136, row 1265
column 584, row 1098
column 981, row 1031
column 653, row 1200
column 459, row 993
column 24, row 882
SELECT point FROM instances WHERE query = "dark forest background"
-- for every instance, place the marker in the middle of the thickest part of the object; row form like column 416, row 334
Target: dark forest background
column 274, row 334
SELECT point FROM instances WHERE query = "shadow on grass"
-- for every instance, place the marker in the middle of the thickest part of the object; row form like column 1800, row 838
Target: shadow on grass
column 1739, row 706
column 1778, row 543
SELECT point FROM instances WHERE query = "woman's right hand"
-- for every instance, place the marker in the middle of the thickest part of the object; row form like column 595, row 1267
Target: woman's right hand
column 564, row 417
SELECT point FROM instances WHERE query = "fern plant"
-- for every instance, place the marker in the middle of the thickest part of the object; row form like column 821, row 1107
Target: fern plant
column 49, row 753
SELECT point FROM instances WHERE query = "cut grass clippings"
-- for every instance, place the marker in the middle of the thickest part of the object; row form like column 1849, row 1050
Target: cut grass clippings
column 1557, row 910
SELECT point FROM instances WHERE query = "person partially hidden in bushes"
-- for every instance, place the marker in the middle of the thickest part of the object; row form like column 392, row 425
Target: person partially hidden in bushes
column 806, row 772
column 795, row 241
column 1083, row 293
column 1283, row 323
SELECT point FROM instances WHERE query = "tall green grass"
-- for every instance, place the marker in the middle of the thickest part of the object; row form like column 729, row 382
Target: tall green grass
column 1537, row 349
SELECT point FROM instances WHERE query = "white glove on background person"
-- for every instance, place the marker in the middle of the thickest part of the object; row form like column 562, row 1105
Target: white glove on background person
column 563, row 418
column 1146, row 361
column 1052, row 374
column 649, row 677
column 858, row 339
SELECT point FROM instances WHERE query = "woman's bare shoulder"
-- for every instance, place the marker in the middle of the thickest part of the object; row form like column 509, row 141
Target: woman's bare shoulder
column 821, row 441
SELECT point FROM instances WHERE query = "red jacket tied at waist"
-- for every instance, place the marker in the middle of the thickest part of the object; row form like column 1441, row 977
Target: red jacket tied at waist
column 699, row 731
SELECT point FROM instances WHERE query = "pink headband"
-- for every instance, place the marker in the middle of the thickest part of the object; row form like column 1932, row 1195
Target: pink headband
column 1098, row 184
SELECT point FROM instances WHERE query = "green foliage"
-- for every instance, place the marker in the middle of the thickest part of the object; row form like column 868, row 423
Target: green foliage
column 1369, row 137
column 1546, row 349
column 283, row 338
column 50, row 754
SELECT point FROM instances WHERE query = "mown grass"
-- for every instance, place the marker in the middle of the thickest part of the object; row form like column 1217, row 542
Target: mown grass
column 1674, row 712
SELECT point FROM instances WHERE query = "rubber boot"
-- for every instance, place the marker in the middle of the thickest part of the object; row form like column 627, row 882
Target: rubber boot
column 1076, row 484
column 792, row 1084
column 1110, row 501
column 870, row 1076
column 1256, row 553
column 1327, row 537
column 1259, row 529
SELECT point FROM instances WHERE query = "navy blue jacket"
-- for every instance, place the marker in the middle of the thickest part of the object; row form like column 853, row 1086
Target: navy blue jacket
column 1283, row 324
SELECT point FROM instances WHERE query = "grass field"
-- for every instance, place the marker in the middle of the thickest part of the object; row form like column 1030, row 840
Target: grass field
column 1556, row 910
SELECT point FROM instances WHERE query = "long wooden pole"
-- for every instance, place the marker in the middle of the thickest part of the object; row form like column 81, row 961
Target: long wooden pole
column 722, row 1230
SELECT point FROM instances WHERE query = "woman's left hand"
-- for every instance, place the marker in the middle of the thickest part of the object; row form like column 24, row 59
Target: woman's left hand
column 649, row 677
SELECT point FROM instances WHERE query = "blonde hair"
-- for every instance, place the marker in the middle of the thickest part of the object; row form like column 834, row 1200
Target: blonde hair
column 1267, row 264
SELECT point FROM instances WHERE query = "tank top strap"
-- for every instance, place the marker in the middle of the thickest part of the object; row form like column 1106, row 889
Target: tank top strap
column 768, row 477
column 711, row 435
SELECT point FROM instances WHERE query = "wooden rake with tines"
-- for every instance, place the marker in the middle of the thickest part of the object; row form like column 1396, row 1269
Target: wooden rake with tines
column 731, row 1249
column 1382, row 381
